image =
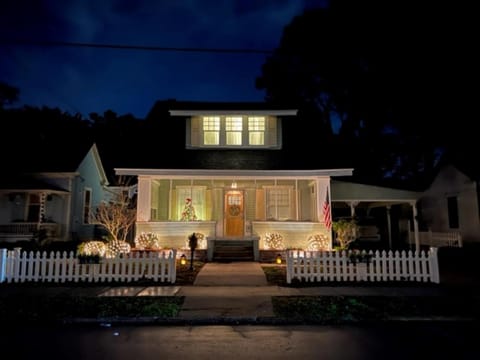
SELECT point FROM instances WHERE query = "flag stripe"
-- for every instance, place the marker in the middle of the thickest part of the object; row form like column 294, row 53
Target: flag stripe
column 327, row 218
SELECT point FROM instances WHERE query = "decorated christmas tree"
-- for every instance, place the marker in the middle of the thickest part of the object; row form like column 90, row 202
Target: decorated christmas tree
column 188, row 213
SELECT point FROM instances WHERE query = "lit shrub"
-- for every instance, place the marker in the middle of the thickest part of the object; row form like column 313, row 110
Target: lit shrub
column 318, row 242
column 116, row 248
column 90, row 248
column 273, row 241
column 147, row 240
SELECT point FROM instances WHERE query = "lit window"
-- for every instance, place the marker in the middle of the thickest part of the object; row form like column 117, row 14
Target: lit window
column 211, row 130
column 256, row 130
column 233, row 128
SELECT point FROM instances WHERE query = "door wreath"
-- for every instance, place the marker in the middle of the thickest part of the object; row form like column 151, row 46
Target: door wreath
column 234, row 210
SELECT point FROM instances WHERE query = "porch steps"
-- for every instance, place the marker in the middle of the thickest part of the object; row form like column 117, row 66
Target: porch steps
column 233, row 250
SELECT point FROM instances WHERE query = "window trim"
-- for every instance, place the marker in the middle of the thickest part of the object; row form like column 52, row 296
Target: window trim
column 195, row 138
column 87, row 209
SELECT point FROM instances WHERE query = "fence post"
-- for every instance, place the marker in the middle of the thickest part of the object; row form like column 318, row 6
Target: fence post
column 3, row 264
column 435, row 273
column 173, row 266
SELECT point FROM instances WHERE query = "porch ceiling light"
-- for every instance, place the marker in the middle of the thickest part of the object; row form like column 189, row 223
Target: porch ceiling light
column 234, row 184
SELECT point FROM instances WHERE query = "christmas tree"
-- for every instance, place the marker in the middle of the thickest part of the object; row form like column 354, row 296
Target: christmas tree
column 188, row 213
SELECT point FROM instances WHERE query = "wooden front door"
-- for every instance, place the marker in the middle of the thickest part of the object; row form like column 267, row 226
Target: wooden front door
column 234, row 214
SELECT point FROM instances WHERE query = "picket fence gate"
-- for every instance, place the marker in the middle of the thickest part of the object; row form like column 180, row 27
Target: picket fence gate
column 318, row 266
column 18, row 266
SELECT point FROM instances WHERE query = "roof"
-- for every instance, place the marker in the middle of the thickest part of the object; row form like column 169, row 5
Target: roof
column 235, row 173
column 350, row 191
column 27, row 182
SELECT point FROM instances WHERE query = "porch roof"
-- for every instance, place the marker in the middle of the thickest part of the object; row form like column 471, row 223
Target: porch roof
column 354, row 192
column 29, row 184
column 238, row 174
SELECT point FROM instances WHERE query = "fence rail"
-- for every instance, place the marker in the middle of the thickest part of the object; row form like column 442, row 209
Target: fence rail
column 18, row 266
column 318, row 266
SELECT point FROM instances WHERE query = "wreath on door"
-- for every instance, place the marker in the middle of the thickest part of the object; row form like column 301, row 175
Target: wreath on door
column 234, row 210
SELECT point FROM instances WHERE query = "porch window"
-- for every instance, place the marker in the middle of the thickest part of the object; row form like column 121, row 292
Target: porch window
column 279, row 205
column 87, row 205
column 191, row 203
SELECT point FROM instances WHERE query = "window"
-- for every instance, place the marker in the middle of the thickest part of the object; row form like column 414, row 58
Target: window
column 278, row 203
column 231, row 131
column 256, row 130
column 191, row 203
column 87, row 203
column 452, row 205
column 211, row 130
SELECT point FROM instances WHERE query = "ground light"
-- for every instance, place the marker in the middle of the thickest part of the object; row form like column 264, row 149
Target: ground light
column 183, row 260
column 279, row 259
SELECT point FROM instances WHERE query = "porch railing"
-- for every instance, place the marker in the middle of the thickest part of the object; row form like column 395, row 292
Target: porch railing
column 27, row 229
column 318, row 266
column 438, row 239
column 18, row 266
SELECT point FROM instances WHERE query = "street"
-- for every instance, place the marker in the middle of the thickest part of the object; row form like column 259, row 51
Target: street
column 427, row 340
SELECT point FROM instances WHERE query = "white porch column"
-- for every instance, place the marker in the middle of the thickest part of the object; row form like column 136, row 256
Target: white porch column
column 389, row 227
column 353, row 205
column 415, row 226
column 144, row 199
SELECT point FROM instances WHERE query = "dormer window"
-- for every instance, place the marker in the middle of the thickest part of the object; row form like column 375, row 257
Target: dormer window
column 233, row 131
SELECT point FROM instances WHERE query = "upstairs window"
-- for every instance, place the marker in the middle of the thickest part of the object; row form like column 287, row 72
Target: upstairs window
column 233, row 131
column 256, row 130
column 211, row 130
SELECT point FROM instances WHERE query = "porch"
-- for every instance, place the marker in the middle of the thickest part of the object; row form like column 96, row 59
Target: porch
column 28, row 230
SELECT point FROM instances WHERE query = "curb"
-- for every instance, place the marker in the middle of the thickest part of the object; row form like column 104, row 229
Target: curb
column 109, row 322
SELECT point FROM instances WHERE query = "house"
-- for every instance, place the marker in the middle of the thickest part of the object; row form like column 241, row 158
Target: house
column 451, row 203
column 52, row 198
column 227, row 171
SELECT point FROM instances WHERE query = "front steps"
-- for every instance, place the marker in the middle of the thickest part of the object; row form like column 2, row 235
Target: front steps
column 225, row 250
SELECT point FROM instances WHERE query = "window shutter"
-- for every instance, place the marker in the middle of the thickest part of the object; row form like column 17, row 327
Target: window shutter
column 195, row 131
column 260, row 210
column 271, row 136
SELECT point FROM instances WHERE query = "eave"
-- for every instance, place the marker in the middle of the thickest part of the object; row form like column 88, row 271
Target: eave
column 238, row 174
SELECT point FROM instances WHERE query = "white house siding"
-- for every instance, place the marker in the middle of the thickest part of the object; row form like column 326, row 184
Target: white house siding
column 90, row 176
column 175, row 234
column 451, row 182
column 294, row 234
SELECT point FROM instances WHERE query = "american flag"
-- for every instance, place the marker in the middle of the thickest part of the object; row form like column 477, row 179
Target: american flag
column 327, row 216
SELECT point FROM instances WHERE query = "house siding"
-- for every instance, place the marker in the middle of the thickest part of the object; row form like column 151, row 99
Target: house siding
column 450, row 182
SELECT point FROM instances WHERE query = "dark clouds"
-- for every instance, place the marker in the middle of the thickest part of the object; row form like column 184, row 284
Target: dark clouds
column 127, row 81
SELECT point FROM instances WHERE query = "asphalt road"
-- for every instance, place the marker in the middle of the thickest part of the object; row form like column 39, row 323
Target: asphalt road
column 410, row 340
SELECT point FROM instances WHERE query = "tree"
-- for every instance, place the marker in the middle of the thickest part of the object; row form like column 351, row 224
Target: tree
column 385, row 78
column 8, row 94
column 117, row 216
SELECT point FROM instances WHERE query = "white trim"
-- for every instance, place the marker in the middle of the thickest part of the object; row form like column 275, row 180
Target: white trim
column 211, row 173
column 233, row 112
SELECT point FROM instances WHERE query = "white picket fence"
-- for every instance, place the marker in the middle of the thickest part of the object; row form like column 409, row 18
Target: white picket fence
column 18, row 266
column 318, row 266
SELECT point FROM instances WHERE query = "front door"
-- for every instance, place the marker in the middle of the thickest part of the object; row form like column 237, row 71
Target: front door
column 234, row 214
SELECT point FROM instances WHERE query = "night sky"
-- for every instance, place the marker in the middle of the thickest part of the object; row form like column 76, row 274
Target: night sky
column 84, row 79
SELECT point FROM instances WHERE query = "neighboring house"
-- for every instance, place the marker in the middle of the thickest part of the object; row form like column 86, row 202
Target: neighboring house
column 55, row 200
column 451, row 204
column 231, row 180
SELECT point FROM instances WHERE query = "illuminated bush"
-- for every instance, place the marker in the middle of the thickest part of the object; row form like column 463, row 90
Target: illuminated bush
column 116, row 248
column 147, row 240
column 92, row 248
column 273, row 241
column 202, row 241
column 318, row 242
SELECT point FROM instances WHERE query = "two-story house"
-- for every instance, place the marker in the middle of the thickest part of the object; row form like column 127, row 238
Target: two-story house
column 223, row 170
